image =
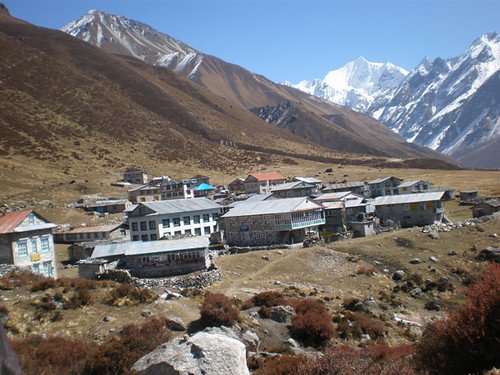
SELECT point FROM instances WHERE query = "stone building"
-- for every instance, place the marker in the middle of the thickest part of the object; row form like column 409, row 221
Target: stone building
column 360, row 188
column 135, row 176
column 340, row 214
column 151, row 221
column 101, row 232
column 256, row 181
column 26, row 241
column 384, row 186
column 487, row 207
column 237, row 186
column 417, row 186
column 411, row 209
column 269, row 222
column 162, row 188
column 294, row 189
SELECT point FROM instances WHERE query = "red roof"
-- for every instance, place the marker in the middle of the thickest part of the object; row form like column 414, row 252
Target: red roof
column 271, row 176
column 10, row 220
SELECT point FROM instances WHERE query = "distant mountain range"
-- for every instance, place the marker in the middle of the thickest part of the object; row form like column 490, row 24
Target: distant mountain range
column 314, row 119
column 450, row 105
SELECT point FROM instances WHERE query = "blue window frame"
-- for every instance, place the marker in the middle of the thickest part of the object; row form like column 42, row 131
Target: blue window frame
column 34, row 246
column 47, row 269
column 45, row 245
column 22, row 248
column 36, row 268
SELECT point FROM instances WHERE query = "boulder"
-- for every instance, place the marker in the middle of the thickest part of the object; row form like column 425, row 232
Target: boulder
column 282, row 314
column 398, row 275
column 433, row 259
column 176, row 324
column 415, row 261
column 207, row 352
column 416, row 293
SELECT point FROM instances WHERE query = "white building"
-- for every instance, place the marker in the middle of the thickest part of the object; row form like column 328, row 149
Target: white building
column 151, row 221
column 26, row 241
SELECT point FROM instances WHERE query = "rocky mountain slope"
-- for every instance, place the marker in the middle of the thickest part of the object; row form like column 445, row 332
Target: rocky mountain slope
column 359, row 84
column 449, row 105
column 316, row 120
column 453, row 105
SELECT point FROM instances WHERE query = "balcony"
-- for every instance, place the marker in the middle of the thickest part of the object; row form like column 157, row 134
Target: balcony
column 300, row 224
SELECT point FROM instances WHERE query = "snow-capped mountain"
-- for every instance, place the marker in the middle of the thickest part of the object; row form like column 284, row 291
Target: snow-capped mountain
column 124, row 36
column 358, row 84
column 451, row 105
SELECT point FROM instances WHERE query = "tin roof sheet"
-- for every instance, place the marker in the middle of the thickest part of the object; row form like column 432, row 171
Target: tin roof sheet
column 408, row 198
column 173, row 206
column 10, row 220
column 100, row 228
column 273, row 206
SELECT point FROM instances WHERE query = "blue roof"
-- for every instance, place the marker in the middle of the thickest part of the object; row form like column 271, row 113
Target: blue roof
column 204, row 186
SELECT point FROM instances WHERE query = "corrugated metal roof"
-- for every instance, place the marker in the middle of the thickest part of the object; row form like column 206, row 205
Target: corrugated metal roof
column 152, row 247
column 409, row 183
column 271, row 176
column 347, row 204
column 408, row 198
column 344, row 185
column 10, row 220
column 336, row 196
column 382, row 179
column 309, row 180
column 273, row 206
column 100, row 228
column 292, row 185
column 173, row 206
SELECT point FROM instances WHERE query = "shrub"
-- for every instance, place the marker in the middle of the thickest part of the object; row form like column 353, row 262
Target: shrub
column 265, row 312
column 58, row 356
column 355, row 324
column 80, row 297
column 218, row 310
column 268, row 299
column 349, row 303
column 17, row 279
column 368, row 271
column 44, row 284
column 467, row 341
column 312, row 324
column 127, row 294
column 282, row 365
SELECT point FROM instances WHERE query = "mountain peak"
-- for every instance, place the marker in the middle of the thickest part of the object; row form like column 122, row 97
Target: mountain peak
column 3, row 8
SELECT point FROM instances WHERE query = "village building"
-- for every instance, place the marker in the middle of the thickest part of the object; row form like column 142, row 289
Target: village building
column 135, row 176
column 468, row 196
column 410, row 209
column 256, row 181
column 83, row 250
column 162, row 188
column 101, row 232
column 159, row 258
column 237, row 186
column 339, row 214
column 204, row 190
column 26, row 241
column 273, row 221
column 360, row 188
column 384, row 186
column 200, row 179
column 103, row 206
column 294, row 189
column 487, row 207
column 151, row 221
column 337, row 197
column 417, row 186
column 310, row 180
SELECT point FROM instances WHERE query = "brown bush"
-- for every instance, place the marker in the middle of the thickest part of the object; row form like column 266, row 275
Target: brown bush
column 268, row 299
column 467, row 341
column 127, row 294
column 79, row 283
column 43, row 284
column 80, row 297
column 218, row 310
column 312, row 324
column 354, row 324
column 368, row 271
column 265, row 312
column 17, row 279
column 283, row 365
column 350, row 302
column 58, row 356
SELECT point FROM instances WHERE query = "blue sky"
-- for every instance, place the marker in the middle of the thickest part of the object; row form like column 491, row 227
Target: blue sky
column 296, row 39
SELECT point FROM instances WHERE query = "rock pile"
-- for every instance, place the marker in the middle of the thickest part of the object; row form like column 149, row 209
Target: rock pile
column 446, row 227
column 198, row 281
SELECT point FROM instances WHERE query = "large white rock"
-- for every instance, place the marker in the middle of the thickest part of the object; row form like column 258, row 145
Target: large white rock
column 205, row 353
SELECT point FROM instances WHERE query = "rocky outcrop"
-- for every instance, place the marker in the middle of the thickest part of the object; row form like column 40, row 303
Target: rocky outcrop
column 212, row 351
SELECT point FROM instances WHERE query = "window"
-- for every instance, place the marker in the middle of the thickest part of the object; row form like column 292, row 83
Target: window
column 135, row 237
column 31, row 219
column 47, row 269
column 421, row 206
column 406, row 207
column 390, row 208
column 177, row 233
column 143, row 225
column 36, row 268
column 144, row 238
column 187, row 231
column 143, row 199
column 196, row 219
column 215, row 215
column 153, row 237
column 34, row 247
column 206, row 217
column 197, row 231
column 45, row 245
column 152, row 225
column 96, row 235
column 207, row 230
column 22, row 249
column 165, row 223
column 135, row 227
column 177, row 221
column 186, row 220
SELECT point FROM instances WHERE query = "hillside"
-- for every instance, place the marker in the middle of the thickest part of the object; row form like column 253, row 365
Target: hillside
column 314, row 119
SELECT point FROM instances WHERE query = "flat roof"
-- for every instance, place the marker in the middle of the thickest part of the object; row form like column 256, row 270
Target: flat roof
column 100, row 228
column 382, row 179
column 409, row 183
column 408, row 198
column 151, row 247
